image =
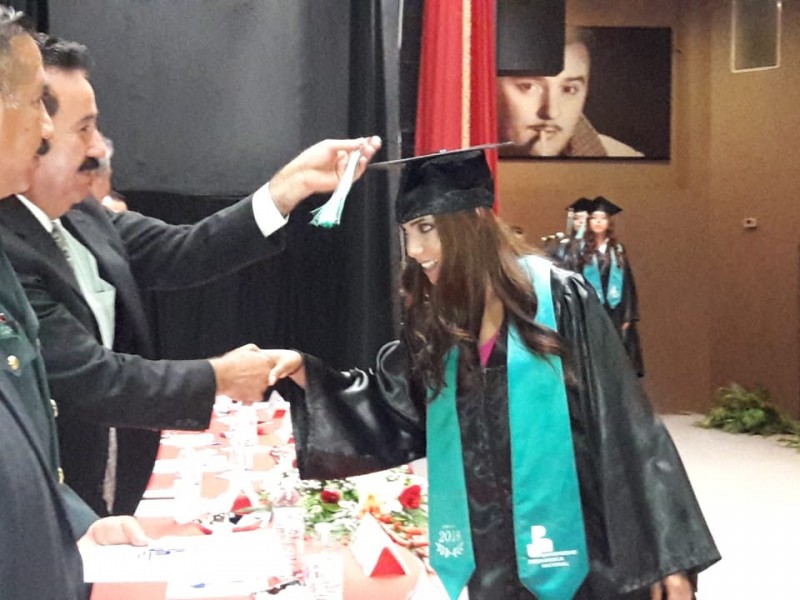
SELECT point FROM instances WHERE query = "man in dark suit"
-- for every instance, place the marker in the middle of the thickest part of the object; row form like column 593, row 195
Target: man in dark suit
column 96, row 341
column 40, row 517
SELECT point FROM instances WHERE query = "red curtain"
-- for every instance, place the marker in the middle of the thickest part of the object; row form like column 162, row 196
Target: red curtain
column 456, row 104
column 440, row 95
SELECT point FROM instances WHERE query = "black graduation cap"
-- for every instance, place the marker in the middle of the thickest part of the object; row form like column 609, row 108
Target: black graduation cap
column 581, row 205
column 605, row 205
column 444, row 182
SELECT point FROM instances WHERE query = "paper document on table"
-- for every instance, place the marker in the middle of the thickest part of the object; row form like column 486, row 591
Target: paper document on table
column 189, row 591
column 192, row 559
column 155, row 508
column 209, row 461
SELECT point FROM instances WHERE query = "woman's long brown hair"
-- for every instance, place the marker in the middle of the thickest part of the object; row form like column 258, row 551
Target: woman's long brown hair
column 477, row 249
column 591, row 244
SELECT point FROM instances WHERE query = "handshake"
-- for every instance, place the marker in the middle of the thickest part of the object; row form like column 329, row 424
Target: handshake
column 245, row 373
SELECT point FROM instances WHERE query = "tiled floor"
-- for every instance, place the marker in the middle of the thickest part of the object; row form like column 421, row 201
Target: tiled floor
column 749, row 489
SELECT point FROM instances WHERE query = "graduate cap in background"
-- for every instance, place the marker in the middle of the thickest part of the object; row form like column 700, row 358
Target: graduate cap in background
column 443, row 182
column 581, row 205
column 605, row 205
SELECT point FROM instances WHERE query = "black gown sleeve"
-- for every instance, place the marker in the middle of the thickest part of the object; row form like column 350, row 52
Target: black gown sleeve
column 630, row 297
column 355, row 422
column 629, row 308
column 642, row 519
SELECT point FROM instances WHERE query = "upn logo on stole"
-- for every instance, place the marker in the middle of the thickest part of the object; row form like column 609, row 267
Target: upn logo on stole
column 542, row 552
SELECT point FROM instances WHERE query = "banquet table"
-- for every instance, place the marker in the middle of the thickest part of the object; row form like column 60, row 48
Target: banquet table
column 357, row 585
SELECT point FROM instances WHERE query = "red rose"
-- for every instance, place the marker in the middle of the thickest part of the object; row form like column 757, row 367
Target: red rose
column 411, row 497
column 330, row 496
column 241, row 503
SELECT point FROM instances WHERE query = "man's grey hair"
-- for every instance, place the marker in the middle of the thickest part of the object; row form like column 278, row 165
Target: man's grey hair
column 105, row 162
column 12, row 24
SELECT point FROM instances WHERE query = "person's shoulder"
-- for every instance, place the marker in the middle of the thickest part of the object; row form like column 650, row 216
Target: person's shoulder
column 562, row 281
column 567, row 283
column 614, row 147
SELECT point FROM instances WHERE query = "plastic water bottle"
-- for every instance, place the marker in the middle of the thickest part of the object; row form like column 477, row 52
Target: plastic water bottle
column 325, row 571
column 288, row 520
column 243, row 435
column 187, row 487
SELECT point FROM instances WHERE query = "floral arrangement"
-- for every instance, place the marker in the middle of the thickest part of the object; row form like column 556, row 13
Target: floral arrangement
column 405, row 518
column 403, row 515
column 333, row 501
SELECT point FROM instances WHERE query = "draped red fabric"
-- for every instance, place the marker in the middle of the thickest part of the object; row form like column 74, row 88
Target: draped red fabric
column 483, row 104
column 439, row 97
column 456, row 104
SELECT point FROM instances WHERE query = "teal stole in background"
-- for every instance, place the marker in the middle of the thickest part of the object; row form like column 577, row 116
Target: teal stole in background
column 616, row 280
column 550, row 542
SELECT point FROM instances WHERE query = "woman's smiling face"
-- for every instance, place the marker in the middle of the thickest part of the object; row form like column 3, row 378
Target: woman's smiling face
column 423, row 245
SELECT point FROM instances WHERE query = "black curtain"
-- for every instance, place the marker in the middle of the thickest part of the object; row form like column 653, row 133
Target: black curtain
column 274, row 78
column 35, row 9
column 342, row 282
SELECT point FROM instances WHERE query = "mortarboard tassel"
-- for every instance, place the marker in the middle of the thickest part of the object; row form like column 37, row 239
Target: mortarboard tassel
column 330, row 214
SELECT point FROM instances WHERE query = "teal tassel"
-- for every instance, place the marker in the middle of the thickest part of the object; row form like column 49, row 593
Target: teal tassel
column 330, row 214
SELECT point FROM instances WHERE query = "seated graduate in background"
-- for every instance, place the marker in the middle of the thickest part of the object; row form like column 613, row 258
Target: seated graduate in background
column 542, row 447
column 607, row 268
column 101, row 188
column 570, row 243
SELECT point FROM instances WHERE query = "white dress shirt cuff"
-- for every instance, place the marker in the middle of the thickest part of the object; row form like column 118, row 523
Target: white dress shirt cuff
column 268, row 218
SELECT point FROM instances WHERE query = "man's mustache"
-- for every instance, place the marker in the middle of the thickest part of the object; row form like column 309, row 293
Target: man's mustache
column 90, row 164
column 44, row 148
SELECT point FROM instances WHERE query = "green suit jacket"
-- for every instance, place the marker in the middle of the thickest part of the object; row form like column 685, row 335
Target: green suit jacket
column 24, row 392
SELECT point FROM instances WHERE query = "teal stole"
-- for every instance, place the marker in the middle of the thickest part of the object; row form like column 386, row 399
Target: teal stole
column 616, row 280
column 550, row 542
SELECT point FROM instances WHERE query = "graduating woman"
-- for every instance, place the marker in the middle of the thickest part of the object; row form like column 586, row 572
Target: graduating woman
column 549, row 475
column 606, row 267
column 567, row 253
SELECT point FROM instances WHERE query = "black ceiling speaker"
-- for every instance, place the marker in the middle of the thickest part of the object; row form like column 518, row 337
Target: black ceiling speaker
column 530, row 37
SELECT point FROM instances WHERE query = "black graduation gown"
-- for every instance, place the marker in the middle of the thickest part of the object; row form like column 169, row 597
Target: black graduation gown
column 568, row 253
column 627, row 311
column 642, row 520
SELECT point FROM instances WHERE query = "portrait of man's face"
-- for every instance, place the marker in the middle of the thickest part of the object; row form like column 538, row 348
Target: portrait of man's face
column 539, row 114
column 611, row 98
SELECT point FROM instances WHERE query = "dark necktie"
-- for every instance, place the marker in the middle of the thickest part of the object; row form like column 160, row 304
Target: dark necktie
column 61, row 241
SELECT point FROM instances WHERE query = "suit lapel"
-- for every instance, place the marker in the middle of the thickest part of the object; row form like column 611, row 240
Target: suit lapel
column 110, row 265
column 19, row 221
column 113, row 266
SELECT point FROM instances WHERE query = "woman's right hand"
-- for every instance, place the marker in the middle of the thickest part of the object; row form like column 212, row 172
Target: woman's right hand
column 286, row 363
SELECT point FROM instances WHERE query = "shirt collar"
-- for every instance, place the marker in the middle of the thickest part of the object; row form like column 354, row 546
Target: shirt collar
column 37, row 212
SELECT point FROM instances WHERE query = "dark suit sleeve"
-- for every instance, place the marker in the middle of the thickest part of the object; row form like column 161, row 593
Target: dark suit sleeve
column 354, row 422
column 78, row 512
column 164, row 256
column 111, row 388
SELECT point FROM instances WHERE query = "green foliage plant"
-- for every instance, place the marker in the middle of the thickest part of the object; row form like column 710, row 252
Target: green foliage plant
column 737, row 409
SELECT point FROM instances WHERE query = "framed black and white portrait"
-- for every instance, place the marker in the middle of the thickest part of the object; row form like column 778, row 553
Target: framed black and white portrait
column 610, row 101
